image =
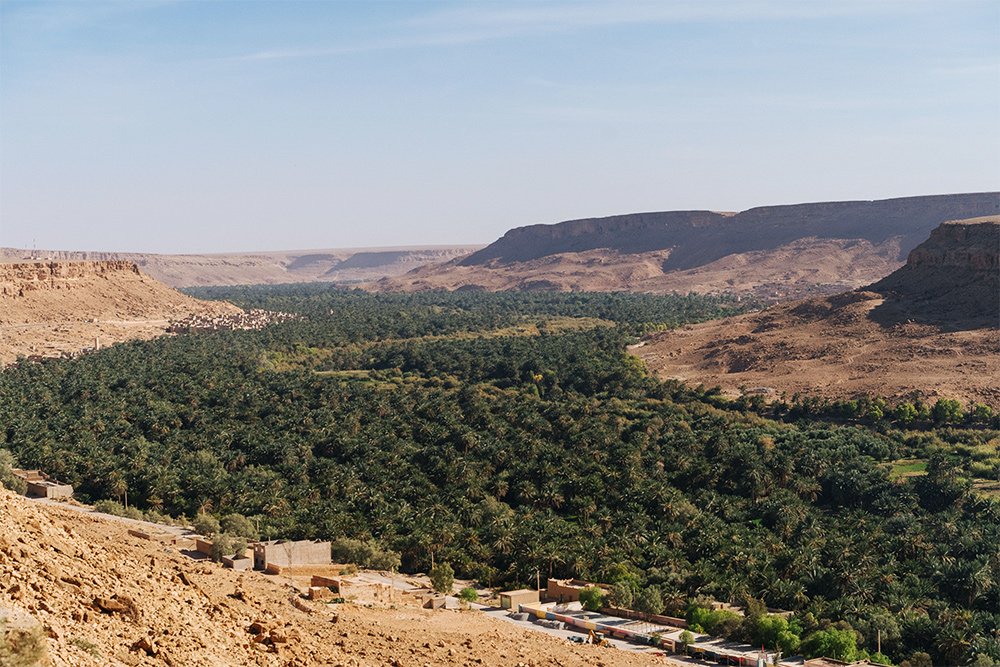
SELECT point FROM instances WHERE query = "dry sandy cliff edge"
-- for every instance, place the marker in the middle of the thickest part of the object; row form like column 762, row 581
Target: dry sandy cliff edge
column 107, row 599
column 51, row 308
column 933, row 327
column 255, row 268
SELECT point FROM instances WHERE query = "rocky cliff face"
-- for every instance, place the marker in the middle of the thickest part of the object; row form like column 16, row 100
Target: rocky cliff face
column 952, row 278
column 696, row 238
column 53, row 309
column 772, row 252
column 971, row 245
column 17, row 279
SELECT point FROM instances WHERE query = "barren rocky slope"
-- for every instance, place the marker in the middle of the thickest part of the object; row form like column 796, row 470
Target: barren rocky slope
column 48, row 308
column 104, row 599
column 933, row 326
column 262, row 267
column 774, row 251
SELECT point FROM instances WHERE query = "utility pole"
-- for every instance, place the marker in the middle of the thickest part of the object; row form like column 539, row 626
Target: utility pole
column 538, row 580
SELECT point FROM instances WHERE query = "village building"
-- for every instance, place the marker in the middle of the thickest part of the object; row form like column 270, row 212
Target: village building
column 166, row 538
column 568, row 590
column 41, row 485
column 511, row 599
column 273, row 555
column 354, row 587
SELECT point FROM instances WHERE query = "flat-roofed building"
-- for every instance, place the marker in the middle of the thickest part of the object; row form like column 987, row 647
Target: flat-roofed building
column 289, row 554
column 510, row 599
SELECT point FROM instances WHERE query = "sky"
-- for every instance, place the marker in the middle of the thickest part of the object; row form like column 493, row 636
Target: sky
column 230, row 126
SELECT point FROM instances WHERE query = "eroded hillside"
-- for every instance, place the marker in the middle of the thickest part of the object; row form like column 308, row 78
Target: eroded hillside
column 58, row 308
column 930, row 327
column 775, row 252
column 102, row 597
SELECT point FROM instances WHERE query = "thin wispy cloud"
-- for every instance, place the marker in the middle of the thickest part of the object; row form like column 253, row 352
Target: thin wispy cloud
column 472, row 23
column 562, row 16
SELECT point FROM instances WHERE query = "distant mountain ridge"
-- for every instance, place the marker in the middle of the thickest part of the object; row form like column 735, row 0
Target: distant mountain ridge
column 833, row 245
column 348, row 264
column 706, row 236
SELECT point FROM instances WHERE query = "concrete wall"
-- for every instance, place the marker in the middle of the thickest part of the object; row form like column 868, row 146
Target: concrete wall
column 653, row 618
column 203, row 546
column 285, row 554
column 243, row 563
column 46, row 489
column 568, row 590
column 510, row 599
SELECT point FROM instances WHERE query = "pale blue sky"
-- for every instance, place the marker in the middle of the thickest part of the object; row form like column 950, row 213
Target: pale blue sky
column 233, row 126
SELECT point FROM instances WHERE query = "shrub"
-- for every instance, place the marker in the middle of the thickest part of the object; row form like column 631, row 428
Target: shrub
column 206, row 524
column 442, row 578
column 650, row 601
column 832, row 643
column 468, row 594
column 112, row 507
column 237, row 524
column 9, row 480
column 622, row 595
column 133, row 513
column 592, row 598
column 364, row 554
column 224, row 544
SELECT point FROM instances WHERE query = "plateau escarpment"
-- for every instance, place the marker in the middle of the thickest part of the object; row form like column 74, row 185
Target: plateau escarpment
column 342, row 265
column 56, row 308
column 932, row 327
column 774, row 252
column 952, row 279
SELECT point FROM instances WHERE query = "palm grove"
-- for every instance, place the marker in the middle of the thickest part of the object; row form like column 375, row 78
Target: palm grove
column 509, row 435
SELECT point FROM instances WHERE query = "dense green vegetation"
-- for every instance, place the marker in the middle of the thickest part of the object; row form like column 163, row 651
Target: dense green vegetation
column 470, row 431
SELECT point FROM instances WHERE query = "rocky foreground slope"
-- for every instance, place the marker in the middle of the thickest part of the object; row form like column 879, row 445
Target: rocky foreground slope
column 57, row 308
column 97, row 597
column 933, row 327
column 262, row 268
column 773, row 251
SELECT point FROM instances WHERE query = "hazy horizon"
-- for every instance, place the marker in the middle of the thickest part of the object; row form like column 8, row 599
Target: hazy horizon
column 213, row 128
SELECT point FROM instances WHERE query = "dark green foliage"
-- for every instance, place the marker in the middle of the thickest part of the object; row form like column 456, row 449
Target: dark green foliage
column 650, row 601
column 366, row 554
column 511, row 455
column 592, row 598
column 206, row 524
column 622, row 595
column 10, row 481
column 442, row 578
column 239, row 525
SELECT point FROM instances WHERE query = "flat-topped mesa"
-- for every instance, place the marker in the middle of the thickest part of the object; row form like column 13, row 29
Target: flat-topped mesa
column 953, row 277
column 16, row 279
column 968, row 244
column 631, row 233
column 690, row 239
